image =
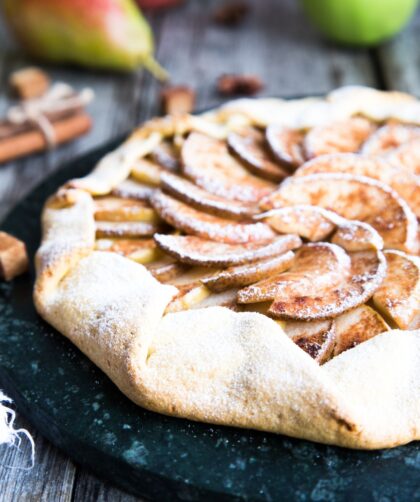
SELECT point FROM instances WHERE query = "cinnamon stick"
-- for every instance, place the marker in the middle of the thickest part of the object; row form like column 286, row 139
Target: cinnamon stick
column 8, row 129
column 33, row 141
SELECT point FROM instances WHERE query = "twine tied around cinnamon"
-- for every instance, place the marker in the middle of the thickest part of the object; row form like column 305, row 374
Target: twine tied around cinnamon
column 59, row 99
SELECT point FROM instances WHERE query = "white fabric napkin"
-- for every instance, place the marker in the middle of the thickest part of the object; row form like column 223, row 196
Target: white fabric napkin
column 9, row 435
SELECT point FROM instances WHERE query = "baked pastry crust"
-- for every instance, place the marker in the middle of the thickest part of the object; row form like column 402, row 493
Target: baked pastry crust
column 216, row 365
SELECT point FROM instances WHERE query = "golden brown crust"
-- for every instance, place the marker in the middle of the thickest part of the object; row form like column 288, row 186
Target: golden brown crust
column 216, row 365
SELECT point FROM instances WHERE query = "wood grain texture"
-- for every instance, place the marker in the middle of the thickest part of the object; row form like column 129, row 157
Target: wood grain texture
column 51, row 479
column 275, row 42
column 400, row 59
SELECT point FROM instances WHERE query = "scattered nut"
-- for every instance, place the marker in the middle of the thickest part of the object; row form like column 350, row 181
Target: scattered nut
column 29, row 82
column 178, row 99
column 246, row 85
column 231, row 14
column 13, row 257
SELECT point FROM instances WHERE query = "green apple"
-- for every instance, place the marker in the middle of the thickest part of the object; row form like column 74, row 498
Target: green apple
column 359, row 22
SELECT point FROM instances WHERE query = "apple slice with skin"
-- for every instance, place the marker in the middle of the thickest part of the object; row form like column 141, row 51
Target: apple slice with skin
column 194, row 294
column 207, row 226
column 406, row 157
column 310, row 222
column 323, row 282
column 190, row 289
column 405, row 183
column 315, row 223
column 126, row 229
column 286, row 145
column 110, row 208
column 389, row 137
column 207, row 162
column 243, row 275
column 166, row 155
column 132, row 189
column 194, row 250
column 317, row 338
column 138, row 250
column 357, row 326
column 357, row 236
column 250, row 147
column 398, row 297
column 188, row 296
column 194, row 196
column 367, row 271
column 146, row 171
column 342, row 136
column 354, row 198
column 166, row 269
column 223, row 299
column 322, row 263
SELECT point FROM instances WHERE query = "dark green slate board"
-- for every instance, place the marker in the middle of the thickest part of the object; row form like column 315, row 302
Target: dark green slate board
column 78, row 409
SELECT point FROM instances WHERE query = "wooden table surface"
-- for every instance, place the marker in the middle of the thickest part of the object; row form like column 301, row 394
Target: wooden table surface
column 275, row 42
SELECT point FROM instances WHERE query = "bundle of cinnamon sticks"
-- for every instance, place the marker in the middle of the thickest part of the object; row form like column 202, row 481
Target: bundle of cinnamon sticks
column 47, row 115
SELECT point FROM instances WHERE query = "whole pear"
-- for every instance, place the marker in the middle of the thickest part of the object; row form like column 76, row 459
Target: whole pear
column 109, row 34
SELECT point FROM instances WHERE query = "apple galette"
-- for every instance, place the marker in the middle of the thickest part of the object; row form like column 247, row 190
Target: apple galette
column 254, row 266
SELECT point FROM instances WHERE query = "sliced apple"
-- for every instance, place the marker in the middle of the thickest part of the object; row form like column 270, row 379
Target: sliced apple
column 126, row 229
column 131, row 189
column 197, row 197
column 146, row 171
column 207, row 226
column 310, row 222
column 207, row 162
column 166, row 269
column 367, row 272
column 167, row 156
column 191, row 289
column 194, row 250
column 406, row 157
column 357, row 236
column 342, row 136
column 192, row 275
column 188, row 296
column 322, row 263
column 314, row 337
column 250, row 147
column 286, row 145
column 139, row 250
column 243, row 275
column 357, row 326
column 315, row 223
column 323, row 282
column 355, row 198
column 388, row 137
column 110, row 208
column 402, row 181
column 398, row 297
column 223, row 299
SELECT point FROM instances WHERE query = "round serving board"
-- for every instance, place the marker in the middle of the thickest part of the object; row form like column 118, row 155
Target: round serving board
column 79, row 409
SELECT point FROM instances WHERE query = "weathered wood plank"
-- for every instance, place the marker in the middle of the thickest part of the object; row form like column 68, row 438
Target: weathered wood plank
column 89, row 488
column 400, row 59
column 274, row 41
column 51, row 478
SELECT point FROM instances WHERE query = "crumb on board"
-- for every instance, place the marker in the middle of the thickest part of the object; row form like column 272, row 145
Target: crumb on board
column 13, row 256
column 231, row 14
column 178, row 99
column 29, row 83
column 246, row 85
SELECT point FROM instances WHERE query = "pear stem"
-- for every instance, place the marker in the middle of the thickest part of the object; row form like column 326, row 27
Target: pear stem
column 155, row 68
